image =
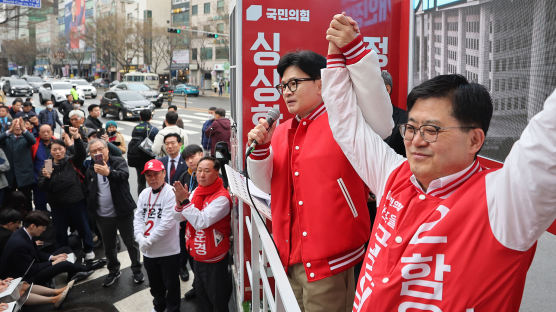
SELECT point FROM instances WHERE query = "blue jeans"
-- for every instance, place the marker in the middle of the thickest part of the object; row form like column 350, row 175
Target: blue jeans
column 76, row 216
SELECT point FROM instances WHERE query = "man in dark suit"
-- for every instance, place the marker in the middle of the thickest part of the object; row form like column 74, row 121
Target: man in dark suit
column 173, row 162
column 21, row 252
column 10, row 221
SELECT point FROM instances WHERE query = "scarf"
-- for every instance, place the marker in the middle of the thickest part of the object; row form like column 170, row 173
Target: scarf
column 202, row 192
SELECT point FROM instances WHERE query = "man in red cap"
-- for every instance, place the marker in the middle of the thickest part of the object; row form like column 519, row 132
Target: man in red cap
column 157, row 232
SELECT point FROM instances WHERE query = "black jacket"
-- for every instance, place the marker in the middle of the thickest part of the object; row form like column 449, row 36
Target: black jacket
column 135, row 157
column 119, row 187
column 4, row 236
column 395, row 140
column 64, row 185
column 93, row 123
column 65, row 108
column 181, row 167
column 18, row 254
column 18, row 152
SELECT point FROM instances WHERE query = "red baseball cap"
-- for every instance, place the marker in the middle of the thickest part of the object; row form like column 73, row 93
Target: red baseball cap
column 153, row 165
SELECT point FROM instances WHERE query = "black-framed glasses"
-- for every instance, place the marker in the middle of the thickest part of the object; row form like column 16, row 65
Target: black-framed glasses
column 292, row 84
column 429, row 133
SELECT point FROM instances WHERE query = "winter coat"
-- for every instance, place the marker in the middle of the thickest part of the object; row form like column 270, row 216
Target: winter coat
column 18, row 151
column 4, row 168
column 219, row 131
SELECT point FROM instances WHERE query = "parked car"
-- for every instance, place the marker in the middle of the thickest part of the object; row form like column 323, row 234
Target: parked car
column 186, row 89
column 150, row 94
column 124, row 104
column 101, row 83
column 85, row 86
column 35, row 82
column 17, row 87
column 56, row 91
column 113, row 83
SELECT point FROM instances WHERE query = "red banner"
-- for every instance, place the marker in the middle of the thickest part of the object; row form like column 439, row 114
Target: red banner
column 273, row 28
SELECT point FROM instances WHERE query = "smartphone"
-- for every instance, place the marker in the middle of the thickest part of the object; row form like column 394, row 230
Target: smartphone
column 98, row 159
column 100, row 132
column 67, row 129
column 48, row 165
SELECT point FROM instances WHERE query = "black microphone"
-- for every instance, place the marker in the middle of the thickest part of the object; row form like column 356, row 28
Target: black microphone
column 271, row 117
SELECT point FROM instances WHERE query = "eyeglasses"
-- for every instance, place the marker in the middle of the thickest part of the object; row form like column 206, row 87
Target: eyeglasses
column 292, row 84
column 429, row 133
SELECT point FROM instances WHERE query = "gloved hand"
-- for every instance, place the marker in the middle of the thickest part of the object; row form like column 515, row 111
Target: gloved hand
column 145, row 244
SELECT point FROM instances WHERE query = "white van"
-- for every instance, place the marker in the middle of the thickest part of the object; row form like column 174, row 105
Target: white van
column 149, row 79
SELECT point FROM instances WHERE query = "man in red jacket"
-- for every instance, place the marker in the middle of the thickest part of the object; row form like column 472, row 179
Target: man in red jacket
column 320, row 220
column 207, row 211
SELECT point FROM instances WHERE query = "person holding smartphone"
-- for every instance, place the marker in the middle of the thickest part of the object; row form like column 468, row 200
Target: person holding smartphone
column 62, row 179
column 110, row 200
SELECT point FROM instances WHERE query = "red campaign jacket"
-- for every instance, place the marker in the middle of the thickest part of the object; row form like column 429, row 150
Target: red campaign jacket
column 438, row 252
column 330, row 197
column 212, row 243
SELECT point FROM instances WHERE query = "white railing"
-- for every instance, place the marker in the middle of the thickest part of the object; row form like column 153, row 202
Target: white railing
column 265, row 262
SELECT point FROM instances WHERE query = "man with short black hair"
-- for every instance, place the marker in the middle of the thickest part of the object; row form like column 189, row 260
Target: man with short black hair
column 171, row 127
column 205, row 140
column 174, row 164
column 174, row 108
column 453, row 235
column 49, row 115
column 136, row 157
column 219, row 130
column 399, row 116
column 20, row 253
column 92, row 120
column 5, row 119
column 16, row 107
column 27, row 111
column 207, row 211
column 10, row 221
column 320, row 232
column 65, row 108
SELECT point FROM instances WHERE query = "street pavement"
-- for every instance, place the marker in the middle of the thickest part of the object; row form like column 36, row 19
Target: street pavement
column 539, row 294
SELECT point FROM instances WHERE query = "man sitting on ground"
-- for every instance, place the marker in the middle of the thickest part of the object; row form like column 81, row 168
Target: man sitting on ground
column 21, row 253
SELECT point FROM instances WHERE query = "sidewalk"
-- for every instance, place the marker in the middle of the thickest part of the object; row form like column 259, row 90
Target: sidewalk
column 210, row 92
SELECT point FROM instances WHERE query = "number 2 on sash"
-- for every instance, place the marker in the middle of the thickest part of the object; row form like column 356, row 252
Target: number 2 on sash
column 150, row 225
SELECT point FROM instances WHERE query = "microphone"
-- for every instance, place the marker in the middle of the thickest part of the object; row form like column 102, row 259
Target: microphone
column 271, row 117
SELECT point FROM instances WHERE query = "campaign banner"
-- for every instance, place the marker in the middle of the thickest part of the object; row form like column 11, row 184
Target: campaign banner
column 273, row 28
column 74, row 22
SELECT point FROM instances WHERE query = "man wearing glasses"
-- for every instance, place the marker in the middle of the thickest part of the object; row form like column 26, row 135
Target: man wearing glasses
column 320, row 220
column 110, row 200
column 452, row 235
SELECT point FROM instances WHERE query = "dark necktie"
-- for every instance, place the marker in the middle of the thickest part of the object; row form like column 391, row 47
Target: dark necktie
column 172, row 171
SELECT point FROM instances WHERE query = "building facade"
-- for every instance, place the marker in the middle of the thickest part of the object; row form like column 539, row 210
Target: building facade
column 507, row 46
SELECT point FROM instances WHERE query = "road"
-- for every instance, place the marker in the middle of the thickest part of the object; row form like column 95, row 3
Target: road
column 540, row 285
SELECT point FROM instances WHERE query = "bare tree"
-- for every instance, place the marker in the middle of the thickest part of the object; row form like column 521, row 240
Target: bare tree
column 161, row 49
column 21, row 52
column 118, row 39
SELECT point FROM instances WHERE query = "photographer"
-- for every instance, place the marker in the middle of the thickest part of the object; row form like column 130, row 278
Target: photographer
column 62, row 179
column 114, row 136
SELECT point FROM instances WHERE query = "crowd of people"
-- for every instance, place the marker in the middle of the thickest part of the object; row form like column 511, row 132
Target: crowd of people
column 62, row 197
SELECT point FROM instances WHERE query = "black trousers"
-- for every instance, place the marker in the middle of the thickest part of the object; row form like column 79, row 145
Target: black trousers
column 141, row 181
column 76, row 216
column 45, row 275
column 213, row 285
column 164, row 282
column 108, row 228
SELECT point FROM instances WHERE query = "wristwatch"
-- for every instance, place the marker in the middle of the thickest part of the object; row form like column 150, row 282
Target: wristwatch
column 184, row 202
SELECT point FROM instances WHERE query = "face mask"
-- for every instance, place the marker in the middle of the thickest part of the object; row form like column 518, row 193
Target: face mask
column 50, row 106
column 111, row 133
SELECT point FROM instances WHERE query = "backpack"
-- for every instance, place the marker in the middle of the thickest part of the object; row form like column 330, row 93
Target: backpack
column 136, row 157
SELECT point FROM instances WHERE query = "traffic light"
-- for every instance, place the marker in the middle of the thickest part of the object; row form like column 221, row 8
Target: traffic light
column 211, row 35
column 174, row 30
